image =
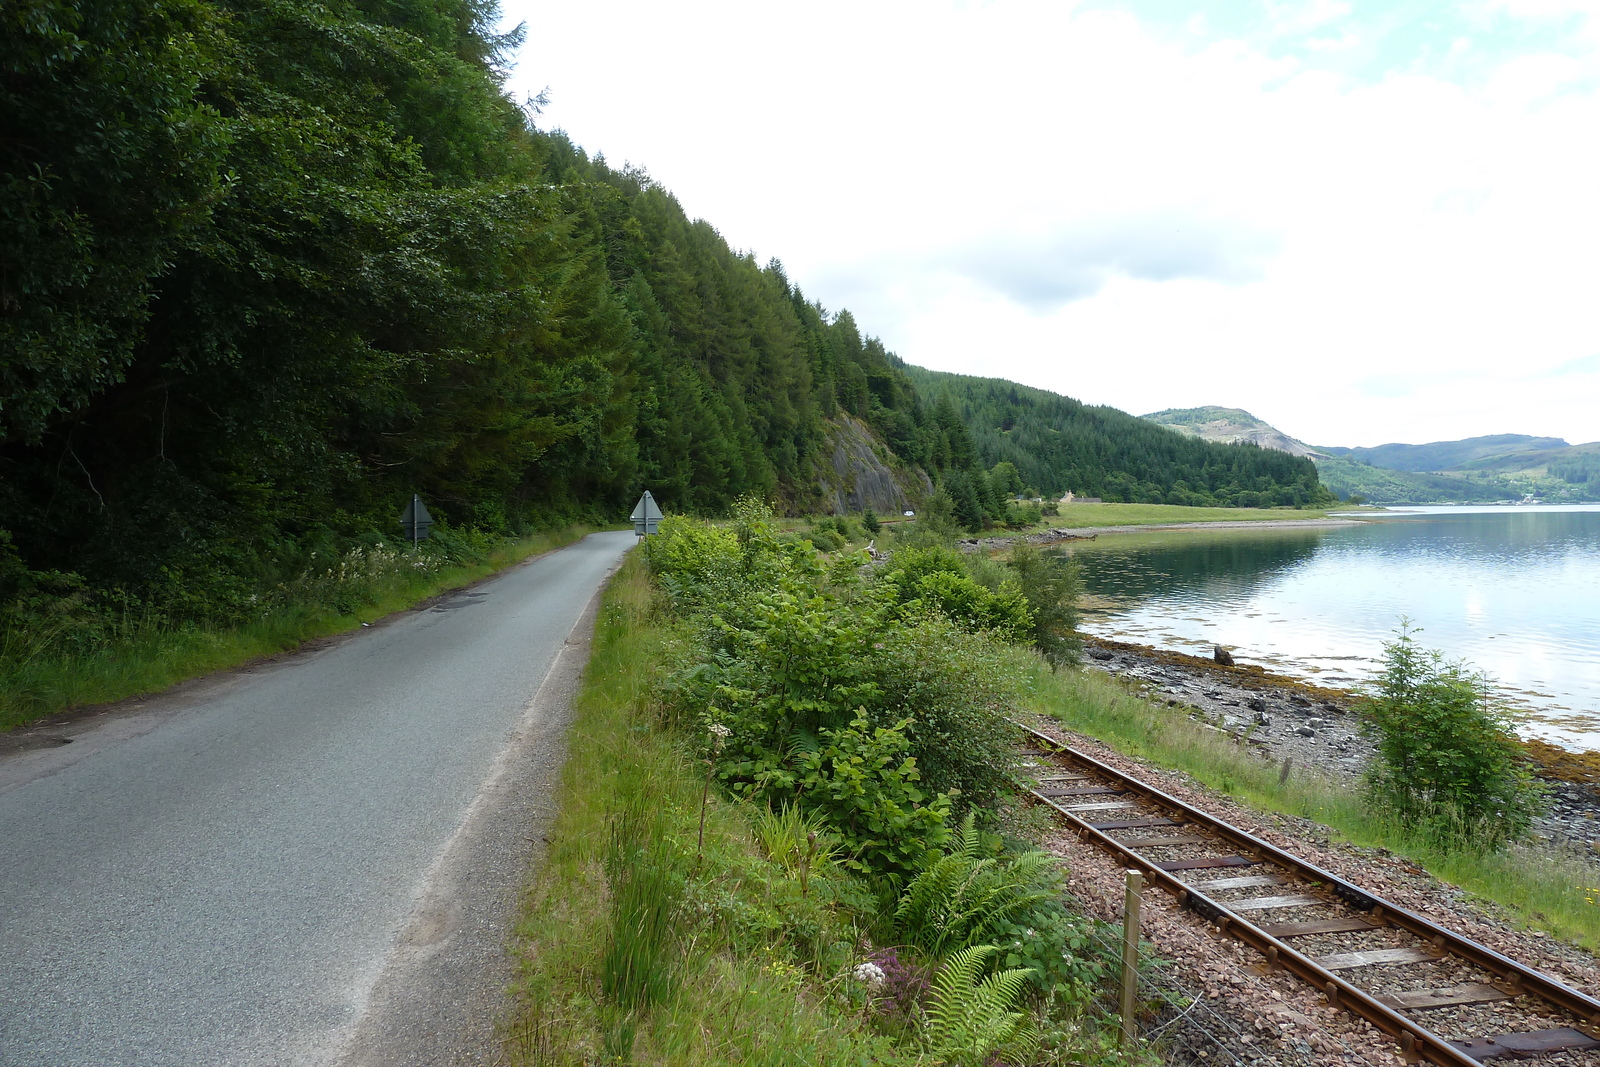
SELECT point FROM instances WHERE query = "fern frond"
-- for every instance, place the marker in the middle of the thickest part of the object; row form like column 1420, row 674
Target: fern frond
column 969, row 1018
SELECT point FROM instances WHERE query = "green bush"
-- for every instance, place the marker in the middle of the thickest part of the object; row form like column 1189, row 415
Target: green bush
column 801, row 666
column 827, row 538
column 1021, row 516
column 870, row 523
column 863, row 781
column 1048, row 581
column 958, row 691
column 1447, row 759
column 936, row 578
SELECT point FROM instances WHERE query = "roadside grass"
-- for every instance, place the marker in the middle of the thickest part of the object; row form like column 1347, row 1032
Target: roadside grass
column 752, row 968
column 37, row 680
column 1078, row 515
column 1540, row 888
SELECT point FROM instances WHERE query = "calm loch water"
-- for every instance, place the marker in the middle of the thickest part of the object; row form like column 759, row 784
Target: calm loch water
column 1514, row 591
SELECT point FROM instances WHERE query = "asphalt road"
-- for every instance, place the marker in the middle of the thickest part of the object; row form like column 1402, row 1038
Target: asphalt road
column 312, row 861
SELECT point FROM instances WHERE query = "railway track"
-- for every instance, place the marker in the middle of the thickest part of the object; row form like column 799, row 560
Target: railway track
column 1364, row 954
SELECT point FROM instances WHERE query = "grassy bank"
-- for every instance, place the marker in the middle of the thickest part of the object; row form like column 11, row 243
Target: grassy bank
column 1541, row 889
column 1074, row 516
column 642, row 941
column 42, row 674
column 747, row 972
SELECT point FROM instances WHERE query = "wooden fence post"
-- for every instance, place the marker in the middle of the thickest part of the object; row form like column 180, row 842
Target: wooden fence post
column 1130, row 958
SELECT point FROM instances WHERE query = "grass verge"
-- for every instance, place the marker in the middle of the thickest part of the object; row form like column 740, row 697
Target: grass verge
column 1076, row 515
column 1540, row 888
column 748, row 966
column 41, row 681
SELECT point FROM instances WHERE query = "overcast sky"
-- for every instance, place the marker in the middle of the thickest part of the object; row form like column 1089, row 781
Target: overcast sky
column 1361, row 221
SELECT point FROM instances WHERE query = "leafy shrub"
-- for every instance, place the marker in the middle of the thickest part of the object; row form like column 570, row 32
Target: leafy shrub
column 837, row 698
column 1048, row 582
column 827, row 538
column 684, row 553
column 958, row 597
column 935, row 578
column 864, row 783
column 958, row 691
column 1021, row 516
column 870, row 523
column 1446, row 755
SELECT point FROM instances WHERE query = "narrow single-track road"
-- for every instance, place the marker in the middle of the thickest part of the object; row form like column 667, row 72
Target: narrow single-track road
column 312, row 861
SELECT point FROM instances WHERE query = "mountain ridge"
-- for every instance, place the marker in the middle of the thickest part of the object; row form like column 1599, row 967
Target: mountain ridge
column 1489, row 468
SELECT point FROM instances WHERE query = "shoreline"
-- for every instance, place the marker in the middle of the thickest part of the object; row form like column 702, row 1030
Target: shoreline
column 1302, row 725
column 1088, row 533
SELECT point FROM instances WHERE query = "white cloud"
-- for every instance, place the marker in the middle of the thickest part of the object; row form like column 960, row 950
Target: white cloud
column 1080, row 200
column 1077, row 260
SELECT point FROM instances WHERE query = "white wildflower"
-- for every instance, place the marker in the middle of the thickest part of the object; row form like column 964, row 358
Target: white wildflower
column 870, row 975
column 719, row 735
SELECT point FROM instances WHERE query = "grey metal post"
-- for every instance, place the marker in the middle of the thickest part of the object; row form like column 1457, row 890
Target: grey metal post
column 1130, row 958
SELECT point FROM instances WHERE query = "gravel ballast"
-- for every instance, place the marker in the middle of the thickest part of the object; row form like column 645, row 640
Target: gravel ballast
column 1248, row 1015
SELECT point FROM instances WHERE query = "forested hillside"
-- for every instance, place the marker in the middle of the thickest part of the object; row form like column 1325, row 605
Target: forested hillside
column 1057, row 444
column 267, row 267
column 1448, row 455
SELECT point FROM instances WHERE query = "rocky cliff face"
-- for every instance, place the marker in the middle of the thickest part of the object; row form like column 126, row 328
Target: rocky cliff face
column 861, row 473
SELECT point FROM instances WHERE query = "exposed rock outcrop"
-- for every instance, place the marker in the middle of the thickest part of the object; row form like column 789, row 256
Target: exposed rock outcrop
column 860, row 472
column 1231, row 426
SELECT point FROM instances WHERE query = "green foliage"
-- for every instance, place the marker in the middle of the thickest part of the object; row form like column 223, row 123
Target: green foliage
column 962, row 600
column 976, row 894
column 1057, row 444
column 870, row 523
column 958, row 690
column 864, row 783
column 970, row 1018
column 645, row 873
column 936, row 579
column 962, row 897
column 834, row 696
column 1022, row 516
column 1447, row 758
column 1048, row 582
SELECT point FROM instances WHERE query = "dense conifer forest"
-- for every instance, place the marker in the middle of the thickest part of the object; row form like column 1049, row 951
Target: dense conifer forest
column 1056, row 444
column 267, row 267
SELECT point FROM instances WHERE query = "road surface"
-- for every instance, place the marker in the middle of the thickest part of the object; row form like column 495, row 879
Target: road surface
column 312, row 861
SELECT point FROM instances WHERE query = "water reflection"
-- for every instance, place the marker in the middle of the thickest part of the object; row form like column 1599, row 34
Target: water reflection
column 1514, row 591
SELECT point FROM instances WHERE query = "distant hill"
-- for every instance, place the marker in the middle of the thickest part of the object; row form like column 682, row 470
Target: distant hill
column 1349, row 477
column 1449, row 455
column 1534, row 459
column 1058, row 444
column 1229, row 426
column 1477, row 470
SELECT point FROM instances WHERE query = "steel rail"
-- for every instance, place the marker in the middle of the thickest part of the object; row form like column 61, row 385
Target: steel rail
column 1415, row 1041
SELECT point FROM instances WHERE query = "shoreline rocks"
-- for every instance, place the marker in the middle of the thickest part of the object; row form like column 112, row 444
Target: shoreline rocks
column 1297, row 724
